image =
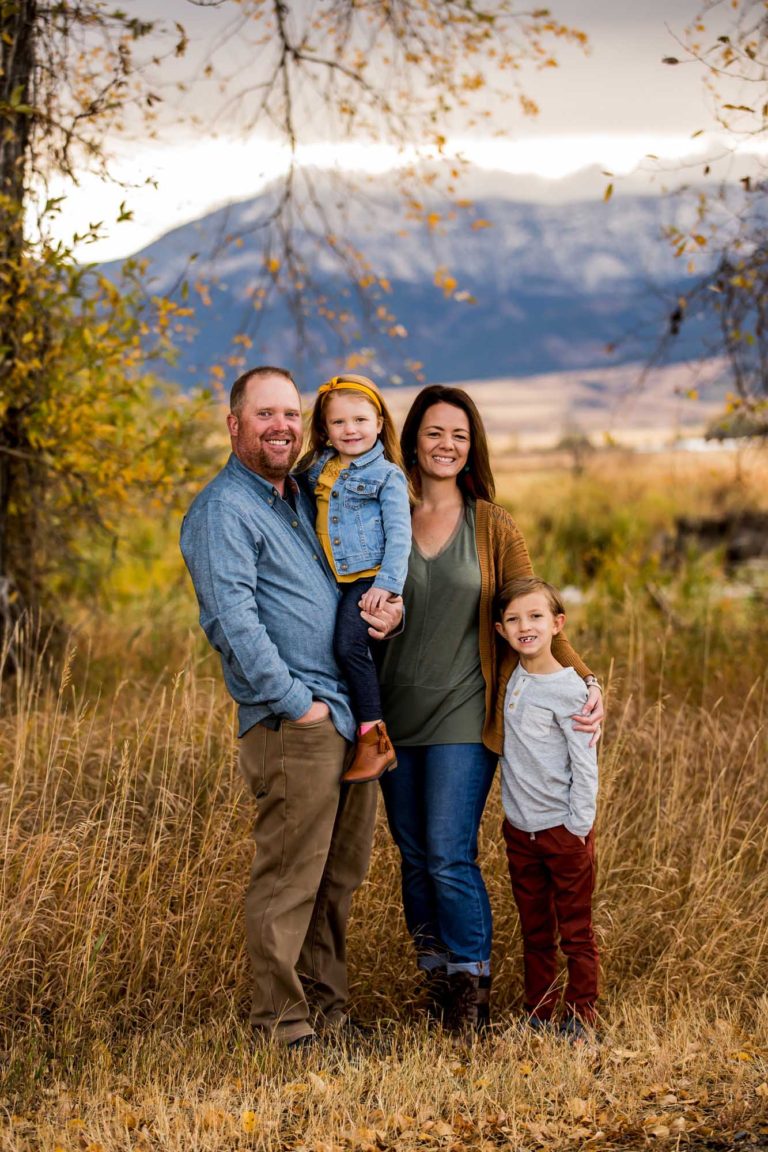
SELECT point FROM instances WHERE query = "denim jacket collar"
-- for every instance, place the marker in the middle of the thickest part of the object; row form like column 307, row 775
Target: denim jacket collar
column 355, row 462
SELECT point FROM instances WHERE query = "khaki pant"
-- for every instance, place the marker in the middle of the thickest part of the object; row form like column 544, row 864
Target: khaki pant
column 313, row 845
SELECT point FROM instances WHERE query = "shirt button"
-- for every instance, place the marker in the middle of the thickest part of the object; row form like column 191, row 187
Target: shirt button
column 344, row 567
column 334, row 495
column 337, row 540
column 334, row 519
column 361, row 487
column 271, row 500
column 294, row 523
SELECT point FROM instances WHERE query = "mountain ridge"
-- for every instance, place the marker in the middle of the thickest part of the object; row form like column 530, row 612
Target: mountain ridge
column 554, row 286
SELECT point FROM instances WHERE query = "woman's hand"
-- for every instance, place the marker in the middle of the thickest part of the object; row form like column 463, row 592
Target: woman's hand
column 591, row 717
column 386, row 618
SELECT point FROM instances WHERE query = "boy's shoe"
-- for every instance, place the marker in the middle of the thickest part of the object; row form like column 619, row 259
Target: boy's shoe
column 575, row 1031
column 374, row 755
column 536, row 1024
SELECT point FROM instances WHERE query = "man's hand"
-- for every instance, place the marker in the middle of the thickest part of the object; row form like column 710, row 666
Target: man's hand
column 372, row 600
column 318, row 710
column 591, row 717
column 386, row 618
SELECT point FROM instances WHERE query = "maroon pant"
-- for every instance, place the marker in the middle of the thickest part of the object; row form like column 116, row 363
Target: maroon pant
column 553, row 876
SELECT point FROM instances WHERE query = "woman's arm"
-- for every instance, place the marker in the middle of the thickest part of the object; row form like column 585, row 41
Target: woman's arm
column 513, row 560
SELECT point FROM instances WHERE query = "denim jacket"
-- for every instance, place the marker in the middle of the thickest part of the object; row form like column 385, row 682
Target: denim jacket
column 369, row 517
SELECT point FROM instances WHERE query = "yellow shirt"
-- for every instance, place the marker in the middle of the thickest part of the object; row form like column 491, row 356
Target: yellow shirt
column 325, row 483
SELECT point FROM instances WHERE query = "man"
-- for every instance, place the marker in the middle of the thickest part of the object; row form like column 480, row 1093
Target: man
column 268, row 605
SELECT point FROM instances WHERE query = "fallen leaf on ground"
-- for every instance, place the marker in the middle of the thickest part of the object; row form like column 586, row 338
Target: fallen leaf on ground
column 579, row 1108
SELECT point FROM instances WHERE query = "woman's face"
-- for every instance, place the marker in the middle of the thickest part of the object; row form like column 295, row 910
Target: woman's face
column 443, row 441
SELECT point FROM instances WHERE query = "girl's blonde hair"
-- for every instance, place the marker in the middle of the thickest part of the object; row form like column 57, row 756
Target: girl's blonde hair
column 318, row 433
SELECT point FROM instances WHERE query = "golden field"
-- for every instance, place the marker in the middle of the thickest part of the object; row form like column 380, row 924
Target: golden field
column 126, row 843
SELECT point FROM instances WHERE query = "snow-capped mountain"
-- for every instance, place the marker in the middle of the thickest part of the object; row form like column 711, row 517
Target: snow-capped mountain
column 522, row 287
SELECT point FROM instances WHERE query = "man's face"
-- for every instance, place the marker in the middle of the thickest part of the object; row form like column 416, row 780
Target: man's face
column 267, row 432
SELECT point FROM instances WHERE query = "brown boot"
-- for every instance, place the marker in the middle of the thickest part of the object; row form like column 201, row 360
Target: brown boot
column 469, row 1003
column 432, row 999
column 374, row 755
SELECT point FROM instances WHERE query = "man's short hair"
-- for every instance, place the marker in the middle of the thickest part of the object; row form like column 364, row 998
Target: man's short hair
column 523, row 586
column 237, row 392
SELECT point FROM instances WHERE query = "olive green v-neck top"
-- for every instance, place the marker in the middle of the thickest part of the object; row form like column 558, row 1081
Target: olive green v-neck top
column 432, row 686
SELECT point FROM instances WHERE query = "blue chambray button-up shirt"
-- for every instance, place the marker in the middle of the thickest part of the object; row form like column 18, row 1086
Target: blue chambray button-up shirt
column 267, row 597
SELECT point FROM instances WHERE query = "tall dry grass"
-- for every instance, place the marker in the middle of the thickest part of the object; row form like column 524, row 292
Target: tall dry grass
column 126, row 842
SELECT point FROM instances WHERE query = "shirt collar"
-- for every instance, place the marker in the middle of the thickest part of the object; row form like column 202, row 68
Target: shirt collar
column 265, row 488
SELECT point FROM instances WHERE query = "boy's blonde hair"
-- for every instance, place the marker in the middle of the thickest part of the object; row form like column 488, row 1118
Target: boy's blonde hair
column 523, row 586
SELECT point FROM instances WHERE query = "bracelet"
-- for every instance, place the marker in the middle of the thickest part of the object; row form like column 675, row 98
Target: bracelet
column 593, row 682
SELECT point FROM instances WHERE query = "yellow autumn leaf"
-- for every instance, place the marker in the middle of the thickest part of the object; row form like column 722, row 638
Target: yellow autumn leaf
column 249, row 1121
column 608, row 192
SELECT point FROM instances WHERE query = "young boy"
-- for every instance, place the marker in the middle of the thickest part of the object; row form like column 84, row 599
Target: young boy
column 549, row 789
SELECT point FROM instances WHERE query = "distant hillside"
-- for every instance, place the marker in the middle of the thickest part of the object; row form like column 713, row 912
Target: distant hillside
column 553, row 285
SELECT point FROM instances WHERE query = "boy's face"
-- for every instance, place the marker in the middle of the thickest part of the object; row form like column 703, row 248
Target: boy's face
column 528, row 624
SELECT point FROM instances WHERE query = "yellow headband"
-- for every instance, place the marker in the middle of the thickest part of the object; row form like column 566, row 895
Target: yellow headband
column 352, row 384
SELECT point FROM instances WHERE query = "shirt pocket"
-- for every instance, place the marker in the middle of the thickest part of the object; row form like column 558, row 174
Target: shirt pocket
column 536, row 722
column 357, row 493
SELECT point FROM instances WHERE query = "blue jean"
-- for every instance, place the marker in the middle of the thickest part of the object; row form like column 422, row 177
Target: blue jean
column 434, row 801
column 351, row 647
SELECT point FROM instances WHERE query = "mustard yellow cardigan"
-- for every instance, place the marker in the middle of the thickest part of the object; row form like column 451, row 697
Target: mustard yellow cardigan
column 503, row 556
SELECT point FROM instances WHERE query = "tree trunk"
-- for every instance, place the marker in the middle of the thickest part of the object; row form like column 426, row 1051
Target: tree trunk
column 18, row 26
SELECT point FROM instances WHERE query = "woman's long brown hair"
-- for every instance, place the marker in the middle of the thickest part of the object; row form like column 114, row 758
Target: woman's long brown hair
column 477, row 481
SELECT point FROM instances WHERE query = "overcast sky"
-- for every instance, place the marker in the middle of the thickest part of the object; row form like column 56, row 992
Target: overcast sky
column 608, row 108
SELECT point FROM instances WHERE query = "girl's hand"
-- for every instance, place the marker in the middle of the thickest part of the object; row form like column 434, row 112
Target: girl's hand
column 373, row 599
column 591, row 717
column 386, row 619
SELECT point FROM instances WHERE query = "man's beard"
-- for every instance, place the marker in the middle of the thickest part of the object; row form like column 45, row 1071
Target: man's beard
column 261, row 461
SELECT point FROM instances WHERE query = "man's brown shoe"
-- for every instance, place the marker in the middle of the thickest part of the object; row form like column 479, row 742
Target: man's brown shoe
column 374, row 755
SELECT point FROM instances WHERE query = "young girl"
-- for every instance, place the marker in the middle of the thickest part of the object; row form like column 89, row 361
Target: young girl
column 354, row 468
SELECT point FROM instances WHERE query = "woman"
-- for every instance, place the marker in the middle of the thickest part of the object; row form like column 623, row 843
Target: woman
column 439, row 692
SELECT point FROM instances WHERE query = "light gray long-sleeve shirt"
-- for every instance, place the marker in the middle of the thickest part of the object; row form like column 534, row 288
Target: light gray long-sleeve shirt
column 548, row 770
